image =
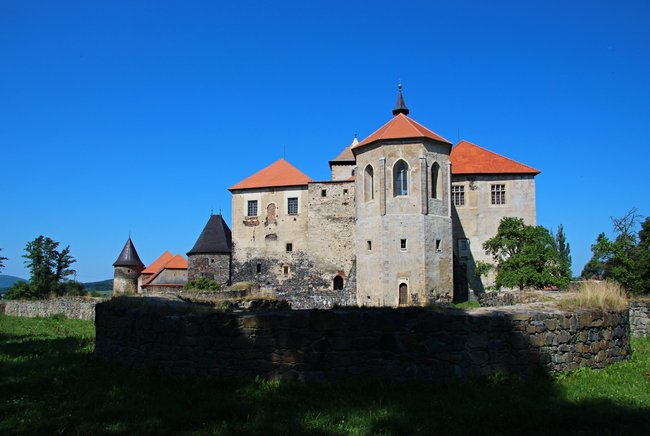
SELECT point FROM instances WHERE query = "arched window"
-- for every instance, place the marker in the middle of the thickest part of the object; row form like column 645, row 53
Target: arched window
column 436, row 180
column 338, row 283
column 400, row 178
column 368, row 184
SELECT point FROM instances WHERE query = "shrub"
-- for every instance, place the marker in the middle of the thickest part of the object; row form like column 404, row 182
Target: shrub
column 604, row 295
column 21, row 291
column 203, row 284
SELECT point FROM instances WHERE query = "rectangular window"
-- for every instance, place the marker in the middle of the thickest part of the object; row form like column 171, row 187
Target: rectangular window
column 498, row 194
column 438, row 241
column 285, row 269
column 323, row 192
column 369, row 245
column 402, row 244
column 458, row 195
column 252, row 208
column 289, row 247
column 292, row 206
column 259, row 268
column 463, row 247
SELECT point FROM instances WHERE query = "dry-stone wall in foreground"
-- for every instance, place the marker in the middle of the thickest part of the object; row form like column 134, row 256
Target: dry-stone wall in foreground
column 639, row 318
column 70, row 307
column 383, row 343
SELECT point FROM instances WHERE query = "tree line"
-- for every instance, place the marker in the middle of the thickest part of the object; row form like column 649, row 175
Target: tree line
column 532, row 256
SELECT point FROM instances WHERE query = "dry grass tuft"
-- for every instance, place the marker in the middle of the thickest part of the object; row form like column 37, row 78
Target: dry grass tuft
column 598, row 295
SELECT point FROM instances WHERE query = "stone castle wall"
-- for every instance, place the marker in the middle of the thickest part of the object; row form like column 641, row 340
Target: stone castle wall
column 70, row 307
column 640, row 318
column 211, row 266
column 377, row 343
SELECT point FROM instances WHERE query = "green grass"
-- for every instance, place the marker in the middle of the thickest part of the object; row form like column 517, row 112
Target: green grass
column 467, row 305
column 50, row 384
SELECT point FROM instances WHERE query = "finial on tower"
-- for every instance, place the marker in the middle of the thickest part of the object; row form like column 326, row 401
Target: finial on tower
column 400, row 106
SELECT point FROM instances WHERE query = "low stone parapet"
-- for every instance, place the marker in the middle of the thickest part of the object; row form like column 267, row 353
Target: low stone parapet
column 395, row 344
column 639, row 318
column 70, row 307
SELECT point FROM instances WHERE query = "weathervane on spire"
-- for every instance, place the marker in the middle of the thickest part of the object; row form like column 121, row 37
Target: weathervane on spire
column 400, row 106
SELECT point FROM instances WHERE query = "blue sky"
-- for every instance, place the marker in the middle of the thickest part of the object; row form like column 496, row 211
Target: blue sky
column 137, row 116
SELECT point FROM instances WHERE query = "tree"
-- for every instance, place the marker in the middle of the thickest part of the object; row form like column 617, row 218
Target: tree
column 564, row 251
column 49, row 269
column 525, row 256
column 626, row 258
column 2, row 259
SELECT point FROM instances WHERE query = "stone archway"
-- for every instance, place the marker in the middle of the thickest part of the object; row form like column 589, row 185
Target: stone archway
column 403, row 294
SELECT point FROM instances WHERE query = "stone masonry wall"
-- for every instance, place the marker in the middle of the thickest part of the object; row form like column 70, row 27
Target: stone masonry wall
column 70, row 307
column 377, row 343
column 211, row 266
column 639, row 318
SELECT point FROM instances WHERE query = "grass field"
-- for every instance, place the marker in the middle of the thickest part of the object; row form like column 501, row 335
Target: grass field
column 50, row 384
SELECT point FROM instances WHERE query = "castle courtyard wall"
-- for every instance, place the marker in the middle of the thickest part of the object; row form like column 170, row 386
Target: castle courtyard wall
column 372, row 343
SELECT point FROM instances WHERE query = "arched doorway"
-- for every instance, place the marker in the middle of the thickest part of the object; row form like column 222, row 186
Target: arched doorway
column 338, row 283
column 403, row 294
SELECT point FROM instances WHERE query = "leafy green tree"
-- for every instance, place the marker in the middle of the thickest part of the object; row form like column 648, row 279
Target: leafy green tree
column 525, row 256
column 2, row 259
column 49, row 271
column 625, row 258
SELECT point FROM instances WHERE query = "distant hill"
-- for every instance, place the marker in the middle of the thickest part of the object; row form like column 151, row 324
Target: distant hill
column 7, row 282
column 103, row 285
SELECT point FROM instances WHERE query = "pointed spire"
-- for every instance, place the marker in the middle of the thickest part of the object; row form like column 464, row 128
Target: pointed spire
column 128, row 256
column 215, row 238
column 400, row 106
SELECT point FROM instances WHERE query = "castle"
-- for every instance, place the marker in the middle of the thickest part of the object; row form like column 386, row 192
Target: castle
column 401, row 222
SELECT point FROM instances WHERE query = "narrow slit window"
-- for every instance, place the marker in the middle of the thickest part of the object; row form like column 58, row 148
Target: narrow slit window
column 438, row 242
column 402, row 244
column 285, row 269
column 259, row 268
column 369, row 245
column 323, row 192
column 289, row 247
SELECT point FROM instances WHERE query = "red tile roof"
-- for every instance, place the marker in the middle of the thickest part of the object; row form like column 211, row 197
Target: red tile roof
column 345, row 156
column 468, row 158
column 280, row 173
column 171, row 262
column 401, row 127
column 158, row 263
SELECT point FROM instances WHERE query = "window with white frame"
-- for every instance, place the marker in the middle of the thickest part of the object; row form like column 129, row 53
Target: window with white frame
column 292, row 205
column 458, row 195
column 252, row 208
column 498, row 194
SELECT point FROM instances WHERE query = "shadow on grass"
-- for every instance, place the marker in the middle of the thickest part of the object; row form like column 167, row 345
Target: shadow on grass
column 53, row 385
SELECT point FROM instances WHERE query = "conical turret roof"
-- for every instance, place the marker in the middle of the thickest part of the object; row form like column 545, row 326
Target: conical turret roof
column 215, row 238
column 128, row 256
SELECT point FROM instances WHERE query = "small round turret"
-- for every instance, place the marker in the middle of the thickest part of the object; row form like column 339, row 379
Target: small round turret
column 128, row 267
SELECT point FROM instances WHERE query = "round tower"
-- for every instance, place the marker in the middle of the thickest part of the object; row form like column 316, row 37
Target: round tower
column 128, row 267
column 211, row 255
